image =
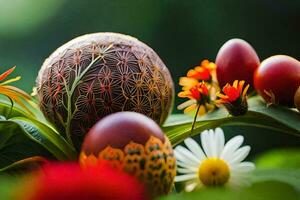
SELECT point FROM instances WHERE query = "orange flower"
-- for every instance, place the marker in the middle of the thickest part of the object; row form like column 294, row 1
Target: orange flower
column 195, row 92
column 199, row 98
column 14, row 93
column 204, row 72
column 234, row 98
column 187, row 83
column 199, row 86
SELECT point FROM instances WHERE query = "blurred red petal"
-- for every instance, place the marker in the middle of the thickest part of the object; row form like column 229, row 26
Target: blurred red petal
column 68, row 181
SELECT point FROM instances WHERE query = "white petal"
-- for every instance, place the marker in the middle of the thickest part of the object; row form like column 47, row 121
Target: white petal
column 195, row 148
column 213, row 143
column 205, row 141
column 239, row 155
column 187, row 170
column 238, row 181
column 244, row 167
column 187, row 165
column 185, row 155
column 231, row 146
column 185, row 177
column 191, row 186
column 219, row 136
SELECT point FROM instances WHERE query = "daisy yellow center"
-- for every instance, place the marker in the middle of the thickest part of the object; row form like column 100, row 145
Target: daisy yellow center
column 213, row 172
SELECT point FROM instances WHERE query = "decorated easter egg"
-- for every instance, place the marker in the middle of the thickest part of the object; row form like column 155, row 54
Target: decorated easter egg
column 135, row 144
column 98, row 74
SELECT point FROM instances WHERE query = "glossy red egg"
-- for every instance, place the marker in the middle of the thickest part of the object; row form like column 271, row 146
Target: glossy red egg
column 277, row 79
column 134, row 143
column 117, row 130
column 236, row 60
column 297, row 98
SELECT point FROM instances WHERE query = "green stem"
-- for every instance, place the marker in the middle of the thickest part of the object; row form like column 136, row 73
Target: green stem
column 195, row 118
column 69, row 102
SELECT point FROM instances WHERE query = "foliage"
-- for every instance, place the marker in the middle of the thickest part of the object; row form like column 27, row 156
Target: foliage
column 28, row 140
column 278, row 118
column 25, row 136
column 288, row 158
column 267, row 190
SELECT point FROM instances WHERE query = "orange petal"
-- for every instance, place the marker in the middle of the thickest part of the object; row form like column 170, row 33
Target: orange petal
column 11, row 80
column 17, row 91
column 189, row 82
column 212, row 66
column 199, row 69
column 184, row 94
column 202, row 110
column 240, row 86
column 245, row 90
column 190, row 108
column 192, row 74
column 235, row 84
column 15, row 96
column 222, row 96
column 8, row 72
column 220, row 101
column 204, row 63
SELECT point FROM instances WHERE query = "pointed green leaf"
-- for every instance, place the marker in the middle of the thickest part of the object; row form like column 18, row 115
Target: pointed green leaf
column 47, row 137
column 16, row 145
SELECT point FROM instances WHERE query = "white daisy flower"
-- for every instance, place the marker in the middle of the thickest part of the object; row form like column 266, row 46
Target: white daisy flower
column 217, row 164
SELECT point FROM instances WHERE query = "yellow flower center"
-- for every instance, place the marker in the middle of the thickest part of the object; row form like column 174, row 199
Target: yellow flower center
column 213, row 172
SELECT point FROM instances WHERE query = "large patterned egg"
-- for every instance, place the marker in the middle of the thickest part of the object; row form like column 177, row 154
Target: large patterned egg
column 98, row 74
column 133, row 143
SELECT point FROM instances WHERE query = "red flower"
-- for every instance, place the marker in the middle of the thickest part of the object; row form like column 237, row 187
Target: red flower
column 195, row 92
column 234, row 98
column 199, row 97
column 234, row 92
column 68, row 181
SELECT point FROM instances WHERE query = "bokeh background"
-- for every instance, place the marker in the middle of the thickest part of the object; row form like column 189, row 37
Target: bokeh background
column 182, row 32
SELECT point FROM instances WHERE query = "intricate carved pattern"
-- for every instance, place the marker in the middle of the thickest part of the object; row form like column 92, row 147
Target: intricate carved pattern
column 99, row 74
column 153, row 163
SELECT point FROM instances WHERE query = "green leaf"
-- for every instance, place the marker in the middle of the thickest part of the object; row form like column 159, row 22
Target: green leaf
column 22, row 138
column 27, row 164
column 15, row 144
column 267, row 190
column 279, row 158
column 7, row 111
column 47, row 137
column 288, row 176
column 178, row 127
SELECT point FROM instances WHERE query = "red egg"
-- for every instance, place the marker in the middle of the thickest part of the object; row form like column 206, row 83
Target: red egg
column 236, row 60
column 135, row 144
column 277, row 79
column 297, row 98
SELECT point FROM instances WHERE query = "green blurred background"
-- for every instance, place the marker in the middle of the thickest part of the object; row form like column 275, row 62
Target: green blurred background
column 181, row 32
